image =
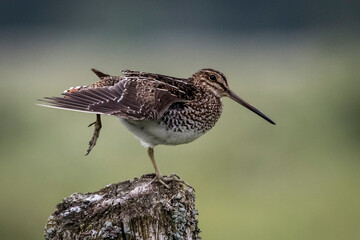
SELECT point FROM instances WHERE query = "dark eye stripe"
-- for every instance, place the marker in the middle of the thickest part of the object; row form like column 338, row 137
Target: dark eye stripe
column 223, row 86
column 217, row 85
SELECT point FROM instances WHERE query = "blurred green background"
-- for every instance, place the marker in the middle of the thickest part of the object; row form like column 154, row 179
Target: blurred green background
column 297, row 61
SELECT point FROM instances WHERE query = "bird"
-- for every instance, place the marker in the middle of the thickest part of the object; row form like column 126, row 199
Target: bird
column 158, row 109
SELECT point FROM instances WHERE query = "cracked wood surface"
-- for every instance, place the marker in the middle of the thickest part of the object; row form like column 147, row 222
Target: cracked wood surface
column 134, row 209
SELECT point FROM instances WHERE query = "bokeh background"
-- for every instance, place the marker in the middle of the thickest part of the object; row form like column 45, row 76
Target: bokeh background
column 297, row 61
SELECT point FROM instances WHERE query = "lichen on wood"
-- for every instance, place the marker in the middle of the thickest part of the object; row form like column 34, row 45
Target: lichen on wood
column 134, row 209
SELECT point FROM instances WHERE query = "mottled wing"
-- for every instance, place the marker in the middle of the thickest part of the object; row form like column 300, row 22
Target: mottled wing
column 183, row 88
column 129, row 99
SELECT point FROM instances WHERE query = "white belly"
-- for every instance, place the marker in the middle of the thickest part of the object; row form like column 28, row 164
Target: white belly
column 151, row 133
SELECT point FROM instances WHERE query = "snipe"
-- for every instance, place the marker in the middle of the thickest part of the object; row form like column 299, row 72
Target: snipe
column 157, row 109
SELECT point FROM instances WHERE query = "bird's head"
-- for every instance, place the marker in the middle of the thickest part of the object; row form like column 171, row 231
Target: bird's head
column 215, row 81
column 212, row 80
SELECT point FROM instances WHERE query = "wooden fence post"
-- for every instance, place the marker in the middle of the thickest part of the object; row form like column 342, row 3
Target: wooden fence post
column 134, row 209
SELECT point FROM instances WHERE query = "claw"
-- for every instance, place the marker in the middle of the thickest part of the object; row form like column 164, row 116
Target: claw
column 160, row 179
column 91, row 124
column 96, row 133
column 173, row 177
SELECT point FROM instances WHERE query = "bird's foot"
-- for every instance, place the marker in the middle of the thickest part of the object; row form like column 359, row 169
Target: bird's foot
column 96, row 133
column 166, row 179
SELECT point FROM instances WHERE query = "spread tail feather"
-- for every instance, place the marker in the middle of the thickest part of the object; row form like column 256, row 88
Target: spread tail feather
column 99, row 73
column 64, row 108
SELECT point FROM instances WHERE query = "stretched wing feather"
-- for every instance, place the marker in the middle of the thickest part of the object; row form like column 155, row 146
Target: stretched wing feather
column 128, row 99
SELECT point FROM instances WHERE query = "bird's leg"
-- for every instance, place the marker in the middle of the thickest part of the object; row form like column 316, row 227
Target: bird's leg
column 96, row 133
column 159, row 177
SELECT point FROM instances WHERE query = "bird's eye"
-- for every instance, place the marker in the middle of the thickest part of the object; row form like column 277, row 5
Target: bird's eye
column 212, row 77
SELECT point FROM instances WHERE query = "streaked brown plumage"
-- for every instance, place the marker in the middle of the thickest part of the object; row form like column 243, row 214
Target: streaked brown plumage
column 157, row 109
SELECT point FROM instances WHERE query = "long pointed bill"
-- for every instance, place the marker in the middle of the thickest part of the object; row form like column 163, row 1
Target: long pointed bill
column 237, row 99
